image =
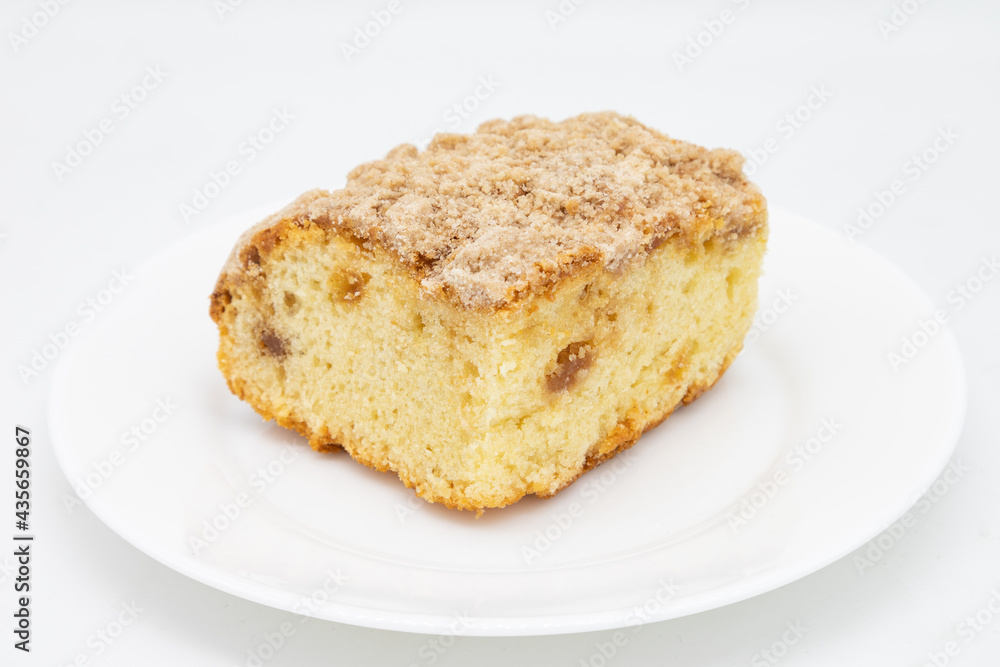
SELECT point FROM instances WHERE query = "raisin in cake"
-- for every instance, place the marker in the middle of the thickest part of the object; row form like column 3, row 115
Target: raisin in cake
column 495, row 315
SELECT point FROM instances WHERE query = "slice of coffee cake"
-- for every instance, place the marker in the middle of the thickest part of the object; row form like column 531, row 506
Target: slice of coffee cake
column 495, row 315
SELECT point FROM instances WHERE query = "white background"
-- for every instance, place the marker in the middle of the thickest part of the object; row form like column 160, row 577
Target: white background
column 888, row 96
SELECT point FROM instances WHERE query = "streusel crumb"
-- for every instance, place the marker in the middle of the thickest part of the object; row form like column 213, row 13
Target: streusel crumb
column 491, row 216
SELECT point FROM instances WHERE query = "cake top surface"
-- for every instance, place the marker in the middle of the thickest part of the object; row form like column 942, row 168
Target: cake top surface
column 493, row 215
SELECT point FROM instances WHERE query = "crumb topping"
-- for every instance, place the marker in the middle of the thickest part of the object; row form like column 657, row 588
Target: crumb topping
column 490, row 216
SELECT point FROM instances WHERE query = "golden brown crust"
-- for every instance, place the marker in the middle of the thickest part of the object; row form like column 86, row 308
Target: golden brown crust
column 627, row 432
column 485, row 220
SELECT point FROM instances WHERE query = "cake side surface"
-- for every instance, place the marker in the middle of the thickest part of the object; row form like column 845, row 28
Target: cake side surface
column 476, row 409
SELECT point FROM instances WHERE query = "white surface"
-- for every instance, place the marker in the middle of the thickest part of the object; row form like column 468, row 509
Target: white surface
column 734, row 496
column 889, row 97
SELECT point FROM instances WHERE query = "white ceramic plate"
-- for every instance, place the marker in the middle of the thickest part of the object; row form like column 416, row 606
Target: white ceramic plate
column 808, row 447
